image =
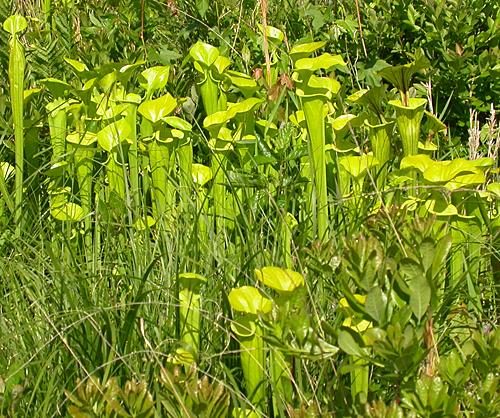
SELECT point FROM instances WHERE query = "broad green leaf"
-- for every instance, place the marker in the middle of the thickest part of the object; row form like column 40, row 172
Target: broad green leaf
column 201, row 174
column 321, row 86
column 178, row 123
column 304, row 50
column 328, row 84
column 415, row 104
column 157, row 109
column 114, row 133
column 77, row 65
column 266, row 126
column 244, row 106
column 466, row 180
column 273, row 33
column 427, row 250
column 70, row 212
column 441, row 252
column 375, row 304
column 154, row 78
column 7, row 169
column 372, row 98
column 86, row 139
column 57, row 88
column 115, row 110
column 204, row 53
column 357, row 165
column 420, row 162
column 282, row 280
column 443, row 171
column 400, row 76
column 323, row 62
column 27, row 94
column 440, row 207
column 128, row 67
column 494, row 188
column 348, row 344
column 420, row 295
column 244, row 327
column 249, row 300
column 485, row 162
column 342, row 121
column 107, row 81
column 221, row 63
column 217, row 119
column 433, row 123
column 14, row 24
column 192, row 280
column 344, row 145
column 144, row 224
column 410, row 268
column 298, row 119
column 427, row 146
column 242, row 81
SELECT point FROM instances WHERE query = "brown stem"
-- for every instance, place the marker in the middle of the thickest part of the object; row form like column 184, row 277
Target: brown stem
column 360, row 28
column 263, row 8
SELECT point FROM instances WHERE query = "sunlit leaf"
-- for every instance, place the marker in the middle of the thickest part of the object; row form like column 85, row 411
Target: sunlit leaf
column 282, row 280
column 323, row 62
column 376, row 303
column 304, row 50
column 249, row 300
column 420, row 295
column 110, row 136
column 154, row 78
column 14, row 24
column 204, row 53
column 155, row 110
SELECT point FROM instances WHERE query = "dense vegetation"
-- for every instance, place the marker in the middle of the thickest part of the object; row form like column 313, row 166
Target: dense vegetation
column 281, row 208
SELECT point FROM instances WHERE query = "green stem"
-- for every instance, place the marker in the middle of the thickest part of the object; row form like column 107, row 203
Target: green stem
column 133, row 159
column 57, row 129
column 380, row 138
column 315, row 119
column 190, row 304
column 160, row 160
column 209, row 91
column 359, row 379
column 17, row 65
column 252, row 363
column 5, row 193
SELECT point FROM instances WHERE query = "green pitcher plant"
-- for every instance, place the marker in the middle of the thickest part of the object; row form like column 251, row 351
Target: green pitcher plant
column 455, row 200
column 285, row 282
column 190, row 304
column 17, row 62
column 314, row 92
column 250, row 303
column 161, row 151
column 211, row 65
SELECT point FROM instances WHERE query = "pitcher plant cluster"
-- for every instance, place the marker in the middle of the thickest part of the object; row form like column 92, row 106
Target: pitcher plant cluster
column 125, row 151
